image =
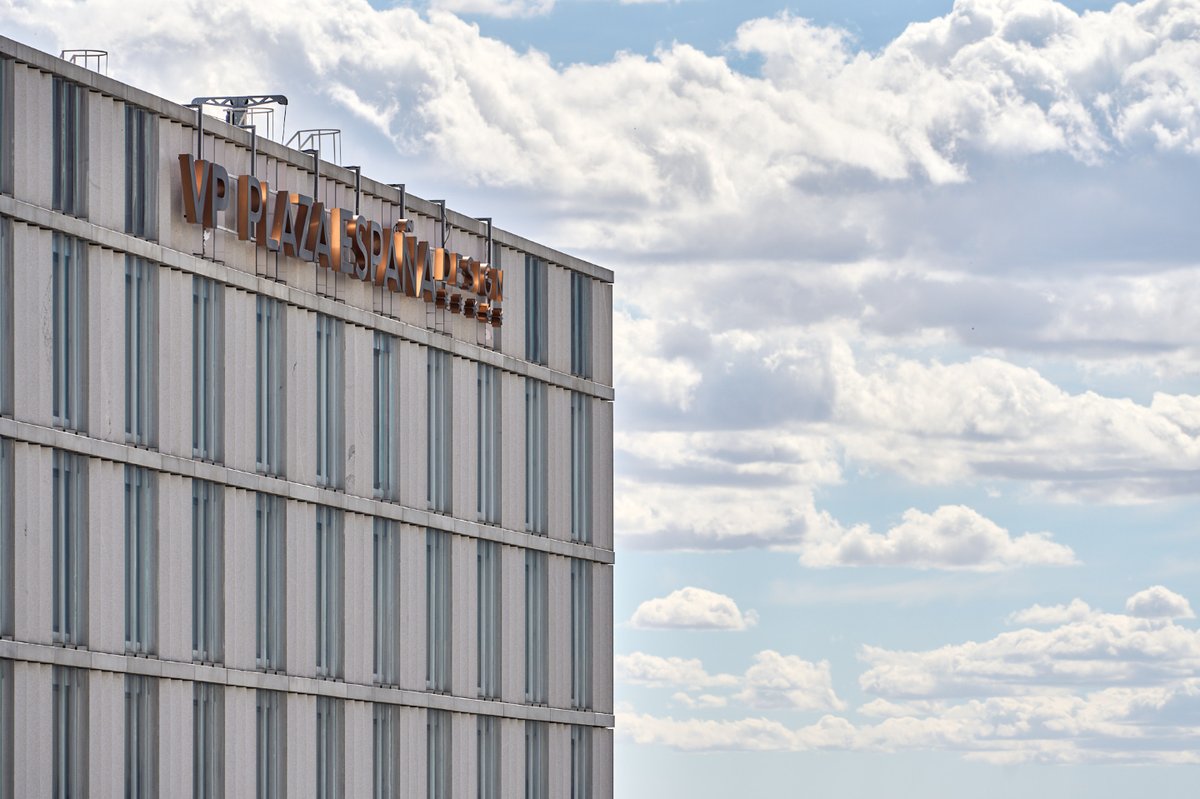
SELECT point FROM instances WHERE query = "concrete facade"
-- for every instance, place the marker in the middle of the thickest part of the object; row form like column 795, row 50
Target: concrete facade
column 243, row 273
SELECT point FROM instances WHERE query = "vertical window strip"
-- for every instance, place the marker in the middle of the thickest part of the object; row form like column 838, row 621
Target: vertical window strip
column 581, row 634
column 386, row 602
column 439, row 372
column 6, row 306
column 488, row 757
column 581, row 762
column 207, row 368
column 384, row 403
column 386, row 755
column 70, row 331
column 141, row 560
column 7, row 725
column 7, row 553
column 536, row 507
column 141, row 344
column 6, row 126
column 581, row 325
column 536, row 628
column 330, row 416
column 208, row 568
column 581, row 468
column 208, row 741
column 69, row 727
column 535, row 309
column 331, row 730
column 489, row 618
column 69, row 582
column 438, row 610
column 69, row 162
column 141, row 172
column 271, row 751
column 271, row 386
column 537, row 760
column 141, row 737
column 271, row 582
column 330, row 592
column 438, row 749
column 489, row 462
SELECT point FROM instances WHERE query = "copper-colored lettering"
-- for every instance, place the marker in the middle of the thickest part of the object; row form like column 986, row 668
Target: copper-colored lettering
column 388, row 272
column 303, row 206
column 194, row 175
column 320, row 242
column 216, row 196
column 362, row 248
column 252, row 207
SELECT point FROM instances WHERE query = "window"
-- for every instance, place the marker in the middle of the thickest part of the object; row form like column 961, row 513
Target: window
column 487, row 736
column 385, row 739
column 141, row 351
column 437, row 606
column 141, row 737
column 537, row 627
column 581, row 325
column 330, row 571
column 536, row 508
column 271, row 582
column 489, row 606
column 535, row 310
column 70, row 732
column 387, row 602
column 70, row 548
column 581, row 468
column 208, row 572
column 208, row 368
column 69, row 193
column 331, row 748
column 385, row 449
column 271, row 385
column 141, row 172
column 7, row 723
column 208, row 740
column 440, row 376
column 438, row 734
column 70, row 331
column 331, row 420
column 537, row 760
column 581, row 762
column 488, row 465
column 581, row 633
column 141, row 560
column 6, row 312
column 271, row 752
column 7, row 552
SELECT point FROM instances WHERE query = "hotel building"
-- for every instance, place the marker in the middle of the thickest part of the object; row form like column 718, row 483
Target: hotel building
column 297, row 498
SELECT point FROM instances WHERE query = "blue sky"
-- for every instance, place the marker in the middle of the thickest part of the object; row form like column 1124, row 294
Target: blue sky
column 908, row 372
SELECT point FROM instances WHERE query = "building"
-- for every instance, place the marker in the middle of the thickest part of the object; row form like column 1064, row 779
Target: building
column 295, row 500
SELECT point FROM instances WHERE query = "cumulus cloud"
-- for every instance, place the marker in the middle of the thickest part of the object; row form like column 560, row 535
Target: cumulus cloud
column 952, row 537
column 1097, row 687
column 496, row 8
column 1158, row 602
column 642, row 669
column 692, row 609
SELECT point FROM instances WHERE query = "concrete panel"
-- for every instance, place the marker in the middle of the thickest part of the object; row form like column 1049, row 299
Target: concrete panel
column 33, row 544
column 602, row 762
column 558, row 320
column 512, row 632
column 174, row 567
column 465, row 438
column 240, row 579
column 301, row 746
column 33, row 105
column 175, row 738
column 175, row 397
column 241, row 743
column 560, row 759
column 240, row 373
column 464, row 676
column 463, row 756
column 33, row 735
column 106, row 161
column 512, row 338
column 360, row 407
column 360, row 753
column 359, row 598
column 512, row 757
column 558, row 455
column 414, row 743
column 602, row 637
column 301, row 401
column 412, row 610
column 33, row 328
column 301, row 627
column 105, row 412
column 106, row 735
column 559, row 638
column 512, row 449
column 106, row 556
column 602, row 474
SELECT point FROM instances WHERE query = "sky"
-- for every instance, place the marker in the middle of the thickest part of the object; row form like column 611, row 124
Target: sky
column 906, row 338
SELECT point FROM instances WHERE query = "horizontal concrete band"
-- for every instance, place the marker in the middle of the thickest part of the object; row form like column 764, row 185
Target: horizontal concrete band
column 48, row 219
column 251, row 481
column 197, row 672
column 187, row 116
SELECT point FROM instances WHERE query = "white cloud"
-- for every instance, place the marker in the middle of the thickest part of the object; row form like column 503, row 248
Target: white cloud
column 692, row 609
column 1158, row 602
column 642, row 669
column 778, row 681
column 700, row 702
column 952, row 537
column 505, row 9
column 1054, row 615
